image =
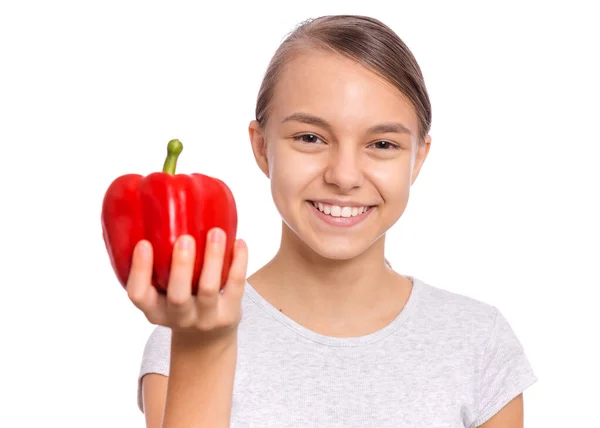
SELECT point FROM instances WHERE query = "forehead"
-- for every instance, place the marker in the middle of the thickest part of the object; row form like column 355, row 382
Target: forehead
column 340, row 90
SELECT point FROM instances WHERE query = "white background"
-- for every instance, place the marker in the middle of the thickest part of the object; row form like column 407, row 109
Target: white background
column 505, row 209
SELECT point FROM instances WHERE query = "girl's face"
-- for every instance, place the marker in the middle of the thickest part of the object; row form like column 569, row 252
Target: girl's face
column 341, row 151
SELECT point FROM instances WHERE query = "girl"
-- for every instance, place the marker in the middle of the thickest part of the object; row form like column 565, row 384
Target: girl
column 327, row 334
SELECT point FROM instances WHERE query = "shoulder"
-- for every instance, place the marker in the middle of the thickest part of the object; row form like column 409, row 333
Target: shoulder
column 455, row 321
column 158, row 340
column 479, row 335
column 454, row 310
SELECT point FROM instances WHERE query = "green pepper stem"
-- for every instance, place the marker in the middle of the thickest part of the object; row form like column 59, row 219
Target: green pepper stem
column 174, row 148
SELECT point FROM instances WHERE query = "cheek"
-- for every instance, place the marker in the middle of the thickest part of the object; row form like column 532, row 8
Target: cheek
column 291, row 173
column 393, row 182
column 282, row 185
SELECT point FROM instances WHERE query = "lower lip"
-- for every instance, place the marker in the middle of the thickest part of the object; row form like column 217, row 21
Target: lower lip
column 340, row 221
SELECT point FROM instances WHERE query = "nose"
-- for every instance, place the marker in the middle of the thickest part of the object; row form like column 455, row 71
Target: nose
column 344, row 169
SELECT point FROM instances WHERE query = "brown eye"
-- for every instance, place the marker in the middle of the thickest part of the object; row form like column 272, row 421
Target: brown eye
column 385, row 145
column 307, row 138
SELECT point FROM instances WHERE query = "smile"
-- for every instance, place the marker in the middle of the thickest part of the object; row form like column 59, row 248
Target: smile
column 337, row 211
column 341, row 216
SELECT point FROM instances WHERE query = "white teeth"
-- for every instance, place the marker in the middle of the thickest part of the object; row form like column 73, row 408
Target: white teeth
column 337, row 211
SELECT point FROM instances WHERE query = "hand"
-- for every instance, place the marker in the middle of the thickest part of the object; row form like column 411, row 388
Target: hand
column 211, row 313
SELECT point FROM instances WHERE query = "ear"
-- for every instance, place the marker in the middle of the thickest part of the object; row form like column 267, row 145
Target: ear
column 420, row 156
column 259, row 146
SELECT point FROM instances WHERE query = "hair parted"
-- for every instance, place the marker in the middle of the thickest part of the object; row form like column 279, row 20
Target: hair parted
column 363, row 39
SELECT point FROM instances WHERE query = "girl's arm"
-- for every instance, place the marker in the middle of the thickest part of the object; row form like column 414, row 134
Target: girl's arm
column 200, row 385
column 203, row 331
column 198, row 390
column 154, row 395
column 511, row 415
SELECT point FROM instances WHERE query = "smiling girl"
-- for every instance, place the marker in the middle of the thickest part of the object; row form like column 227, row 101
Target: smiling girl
column 327, row 334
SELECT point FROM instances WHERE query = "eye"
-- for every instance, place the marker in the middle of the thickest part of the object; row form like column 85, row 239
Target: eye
column 385, row 145
column 307, row 138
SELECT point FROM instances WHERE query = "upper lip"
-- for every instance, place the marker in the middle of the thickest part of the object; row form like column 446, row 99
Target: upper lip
column 340, row 203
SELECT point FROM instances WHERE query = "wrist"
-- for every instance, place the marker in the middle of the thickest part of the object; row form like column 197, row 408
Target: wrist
column 194, row 340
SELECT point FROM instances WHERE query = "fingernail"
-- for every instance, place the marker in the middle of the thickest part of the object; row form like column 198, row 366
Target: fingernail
column 185, row 243
column 143, row 248
column 216, row 236
column 240, row 243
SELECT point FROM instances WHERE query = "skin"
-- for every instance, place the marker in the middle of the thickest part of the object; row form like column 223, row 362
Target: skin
column 199, row 389
column 341, row 285
column 335, row 281
column 330, row 279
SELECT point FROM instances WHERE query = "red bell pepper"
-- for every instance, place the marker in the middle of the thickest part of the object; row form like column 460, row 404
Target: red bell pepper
column 161, row 207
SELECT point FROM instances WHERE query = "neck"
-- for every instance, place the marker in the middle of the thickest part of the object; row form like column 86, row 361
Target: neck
column 327, row 292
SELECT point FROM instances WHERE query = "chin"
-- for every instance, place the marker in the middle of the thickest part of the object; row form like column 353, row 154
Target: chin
column 332, row 252
column 337, row 248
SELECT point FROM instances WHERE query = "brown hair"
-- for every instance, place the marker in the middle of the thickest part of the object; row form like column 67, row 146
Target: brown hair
column 363, row 39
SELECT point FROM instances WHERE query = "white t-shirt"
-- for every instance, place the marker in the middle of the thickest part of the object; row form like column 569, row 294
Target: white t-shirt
column 446, row 360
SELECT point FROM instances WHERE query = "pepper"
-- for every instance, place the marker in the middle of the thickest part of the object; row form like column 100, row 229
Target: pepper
column 160, row 208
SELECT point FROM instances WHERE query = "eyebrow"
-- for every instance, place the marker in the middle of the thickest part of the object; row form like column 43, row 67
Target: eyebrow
column 381, row 128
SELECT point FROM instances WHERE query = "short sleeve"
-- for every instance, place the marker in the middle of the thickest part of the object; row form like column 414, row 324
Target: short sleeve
column 505, row 371
column 156, row 358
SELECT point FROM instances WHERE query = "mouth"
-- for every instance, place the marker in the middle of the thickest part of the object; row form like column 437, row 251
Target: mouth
column 341, row 211
column 341, row 216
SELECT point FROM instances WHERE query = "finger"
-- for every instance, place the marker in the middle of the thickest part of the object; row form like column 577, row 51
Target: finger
column 179, row 289
column 236, row 278
column 139, row 283
column 212, row 268
column 140, row 273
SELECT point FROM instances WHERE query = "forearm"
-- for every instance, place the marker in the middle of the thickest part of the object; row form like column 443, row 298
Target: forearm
column 200, row 387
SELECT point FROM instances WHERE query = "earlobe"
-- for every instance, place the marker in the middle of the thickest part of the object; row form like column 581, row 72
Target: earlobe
column 259, row 146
